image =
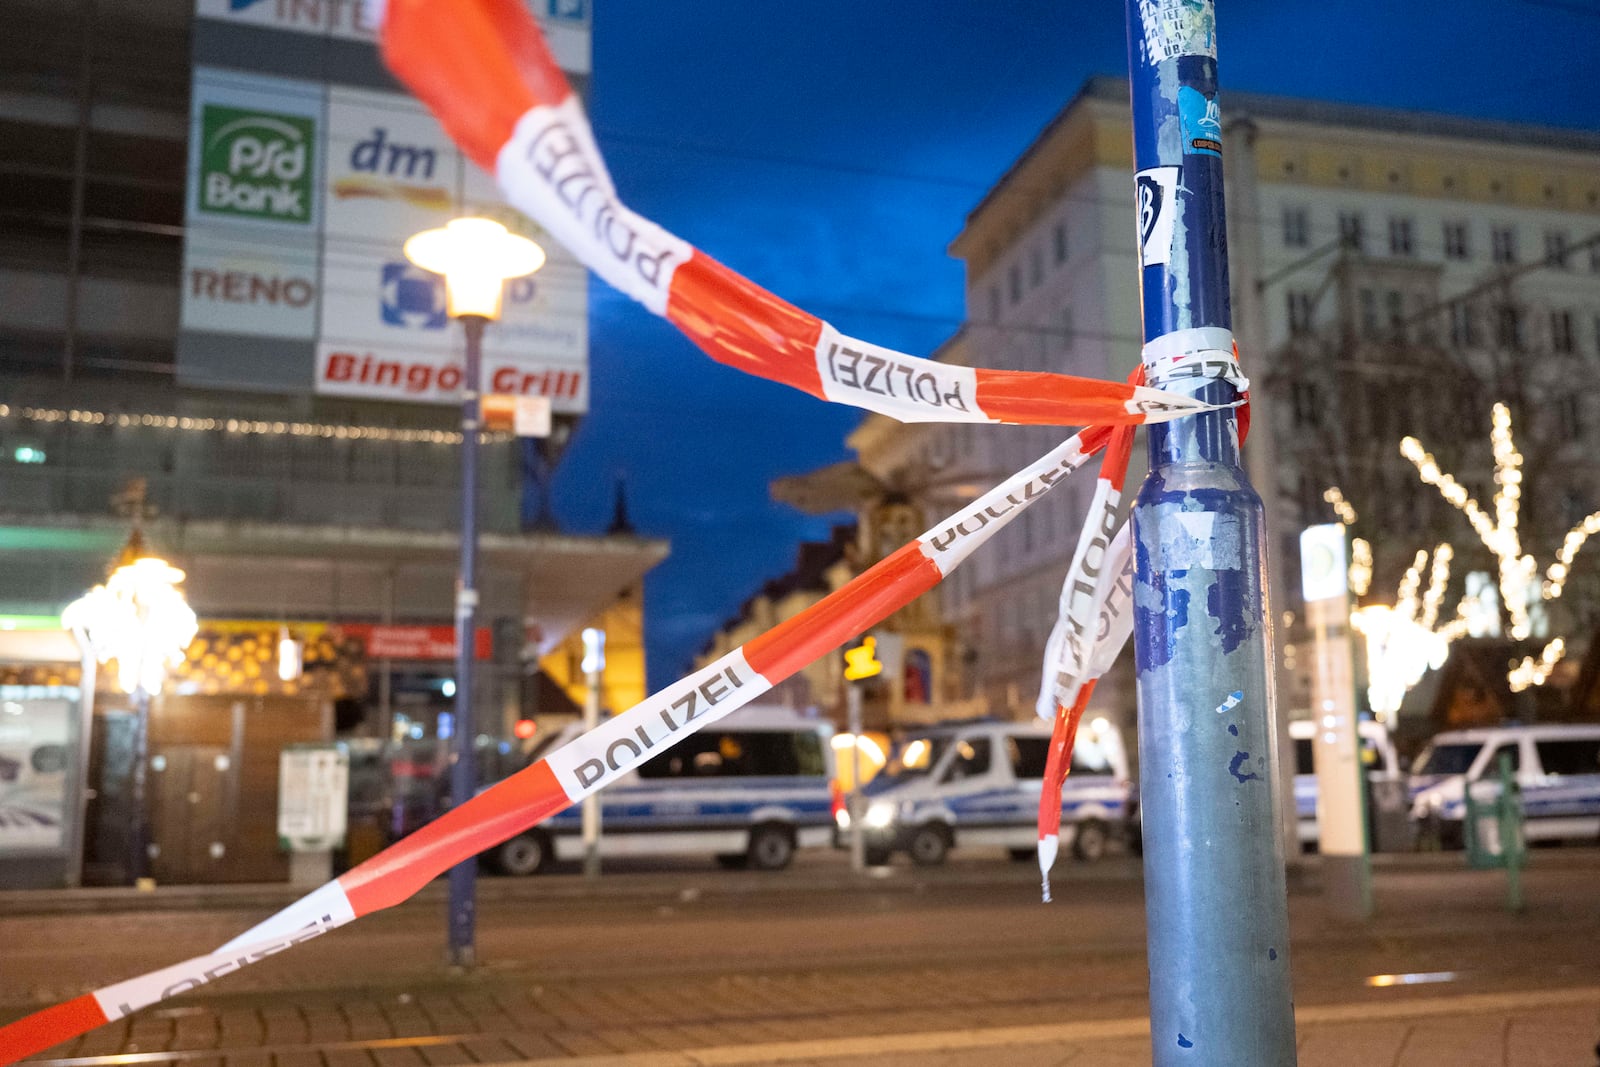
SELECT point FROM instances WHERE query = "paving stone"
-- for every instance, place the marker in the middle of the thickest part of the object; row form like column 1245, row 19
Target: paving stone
column 1343, row 1044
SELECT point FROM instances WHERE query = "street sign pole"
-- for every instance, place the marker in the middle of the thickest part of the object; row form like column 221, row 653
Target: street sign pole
column 463, row 905
column 1215, row 896
column 858, row 843
column 594, row 663
column 1336, row 744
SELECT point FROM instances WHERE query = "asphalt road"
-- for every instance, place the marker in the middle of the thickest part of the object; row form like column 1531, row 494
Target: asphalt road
column 691, row 954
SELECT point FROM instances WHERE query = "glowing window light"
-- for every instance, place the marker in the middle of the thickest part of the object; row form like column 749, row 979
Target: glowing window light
column 138, row 619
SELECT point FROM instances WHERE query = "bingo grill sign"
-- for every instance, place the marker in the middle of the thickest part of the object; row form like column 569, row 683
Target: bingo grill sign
column 256, row 164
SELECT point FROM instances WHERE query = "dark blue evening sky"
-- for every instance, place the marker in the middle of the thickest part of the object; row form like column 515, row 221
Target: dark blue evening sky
column 831, row 151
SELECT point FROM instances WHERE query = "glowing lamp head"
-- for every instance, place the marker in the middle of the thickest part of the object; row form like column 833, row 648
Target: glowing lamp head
column 476, row 257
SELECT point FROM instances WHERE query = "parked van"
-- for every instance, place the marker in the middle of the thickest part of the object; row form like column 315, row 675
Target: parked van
column 749, row 789
column 1557, row 770
column 977, row 783
column 1378, row 757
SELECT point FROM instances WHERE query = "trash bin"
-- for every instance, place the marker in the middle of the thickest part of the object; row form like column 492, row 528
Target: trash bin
column 1492, row 828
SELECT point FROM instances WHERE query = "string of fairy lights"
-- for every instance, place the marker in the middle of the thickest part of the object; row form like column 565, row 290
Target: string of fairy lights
column 244, row 427
column 1409, row 627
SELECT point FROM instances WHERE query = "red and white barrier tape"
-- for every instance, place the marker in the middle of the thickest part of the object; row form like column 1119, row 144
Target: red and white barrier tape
column 1093, row 622
column 483, row 69
column 587, row 764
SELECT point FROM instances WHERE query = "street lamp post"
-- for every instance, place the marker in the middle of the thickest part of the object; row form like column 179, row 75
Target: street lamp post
column 476, row 257
column 1215, row 895
column 139, row 619
column 594, row 665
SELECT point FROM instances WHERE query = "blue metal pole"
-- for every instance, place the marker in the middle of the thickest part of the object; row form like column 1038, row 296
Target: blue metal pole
column 463, row 770
column 1215, row 895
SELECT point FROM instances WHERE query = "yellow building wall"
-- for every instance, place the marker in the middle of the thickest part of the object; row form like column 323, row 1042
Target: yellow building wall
column 623, row 683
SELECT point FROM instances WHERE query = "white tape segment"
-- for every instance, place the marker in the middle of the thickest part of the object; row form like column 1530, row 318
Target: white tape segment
column 593, row 761
column 1203, row 352
column 124, row 998
column 907, row 388
column 552, row 169
column 953, row 540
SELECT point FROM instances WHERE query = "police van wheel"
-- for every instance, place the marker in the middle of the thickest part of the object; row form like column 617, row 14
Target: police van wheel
column 771, row 848
column 732, row 861
column 1089, row 840
column 929, row 846
column 523, row 855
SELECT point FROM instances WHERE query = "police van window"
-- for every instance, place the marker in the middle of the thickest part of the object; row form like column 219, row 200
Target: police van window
column 1303, row 762
column 1578, row 755
column 739, row 754
column 1510, row 748
column 1089, row 758
column 1028, row 756
column 971, row 759
column 1448, row 759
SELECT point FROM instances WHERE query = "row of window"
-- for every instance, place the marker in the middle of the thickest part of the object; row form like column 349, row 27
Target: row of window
column 1035, row 271
column 1456, row 235
column 1385, row 315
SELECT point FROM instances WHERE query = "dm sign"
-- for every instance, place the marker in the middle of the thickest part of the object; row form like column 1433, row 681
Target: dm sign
column 256, row 164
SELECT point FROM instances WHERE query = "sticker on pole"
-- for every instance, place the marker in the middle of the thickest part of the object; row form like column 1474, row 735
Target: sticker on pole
column 1157, row 195
column 1174, row 28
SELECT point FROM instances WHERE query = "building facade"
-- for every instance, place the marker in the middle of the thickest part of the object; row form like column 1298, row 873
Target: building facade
column 1393, row 274
column 171, row 363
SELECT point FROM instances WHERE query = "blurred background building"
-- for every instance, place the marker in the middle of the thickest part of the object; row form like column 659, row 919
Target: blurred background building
column 203, row 299
column 1393, row 273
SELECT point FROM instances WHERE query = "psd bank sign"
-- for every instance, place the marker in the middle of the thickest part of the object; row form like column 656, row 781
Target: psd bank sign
column 256, row 164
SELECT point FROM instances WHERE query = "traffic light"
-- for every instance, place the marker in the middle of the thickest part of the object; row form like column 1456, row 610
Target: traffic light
column 862, row 661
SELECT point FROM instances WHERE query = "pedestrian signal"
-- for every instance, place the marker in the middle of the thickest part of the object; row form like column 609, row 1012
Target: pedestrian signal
column 862, row 661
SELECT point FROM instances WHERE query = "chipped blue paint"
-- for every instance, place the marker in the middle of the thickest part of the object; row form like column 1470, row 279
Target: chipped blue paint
column 1225, row 603
column 1232, row 702
column 1272, row 953
column 1233, row 729
column 1184, row 1042
column 1238, row 761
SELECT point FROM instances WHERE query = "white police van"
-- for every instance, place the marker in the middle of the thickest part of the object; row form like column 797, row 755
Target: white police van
column 977, row 783
column 1378, row 758
column 748, row 789
column 1557, row 770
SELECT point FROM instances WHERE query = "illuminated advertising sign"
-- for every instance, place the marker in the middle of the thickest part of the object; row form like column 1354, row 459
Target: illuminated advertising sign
column 301, row 195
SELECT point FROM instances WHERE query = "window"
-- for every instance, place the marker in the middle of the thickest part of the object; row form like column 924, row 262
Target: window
column 1059, row 243
column 1304, row 761
column 971, row 759
column 1299, row 312
column 1555, row 248
column 1305, row 398
column 1369, row 312
column 1562, row 337
column 1014, row 282
column 1509, row 749
column 1464, row 325
column 1064, row 333
column 1028, row 756
column 1395, row 309
column 1448, row 759
column 1569, row 416
column 1508, row 327
column 1456, row 245
column 741, row 753
column 1503, row 244
column 1296, row 227
column 1569, row 756
column 1035, row 267
column 1350, row 228
column 1400, row 242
